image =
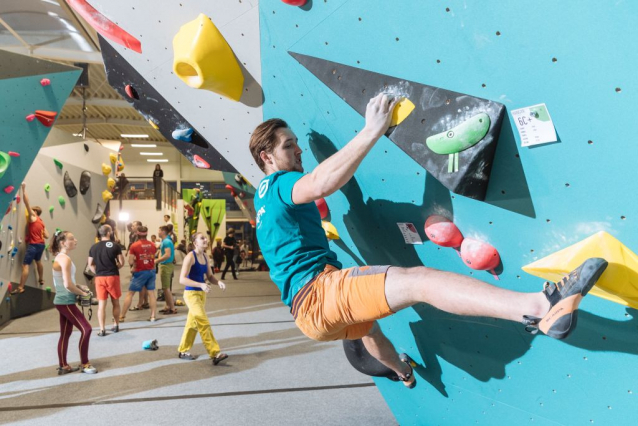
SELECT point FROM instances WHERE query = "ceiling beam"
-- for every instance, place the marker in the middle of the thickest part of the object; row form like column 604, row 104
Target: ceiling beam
column 101, row 121
column 96, row 101
column 57, row 54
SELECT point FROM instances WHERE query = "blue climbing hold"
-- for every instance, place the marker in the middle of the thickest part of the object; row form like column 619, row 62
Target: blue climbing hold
column 14, row 252
column 183, row 134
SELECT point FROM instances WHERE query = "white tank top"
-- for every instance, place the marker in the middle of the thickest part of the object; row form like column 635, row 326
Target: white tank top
column 62, row 295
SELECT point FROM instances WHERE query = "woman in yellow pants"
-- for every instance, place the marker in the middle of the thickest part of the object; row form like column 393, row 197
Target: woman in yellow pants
column 195, row 270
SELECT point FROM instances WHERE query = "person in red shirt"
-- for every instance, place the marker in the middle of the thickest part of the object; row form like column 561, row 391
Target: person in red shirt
column 141, row 258
column 34, row 238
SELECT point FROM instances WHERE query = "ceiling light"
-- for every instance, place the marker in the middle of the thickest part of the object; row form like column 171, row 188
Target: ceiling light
column 151, row 153
column 143, row 145
column 133, row 136
column 161, row 160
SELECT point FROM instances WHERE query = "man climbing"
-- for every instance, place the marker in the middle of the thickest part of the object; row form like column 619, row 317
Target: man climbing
column 34, row 238
column 330, row 303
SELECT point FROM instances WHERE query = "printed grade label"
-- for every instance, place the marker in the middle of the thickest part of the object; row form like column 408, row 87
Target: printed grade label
column 409, row 232
column 534, row 125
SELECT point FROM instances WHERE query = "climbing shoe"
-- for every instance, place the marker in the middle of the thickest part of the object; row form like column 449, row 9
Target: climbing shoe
column 219, row 358
column 409, row 380
column 564, row 298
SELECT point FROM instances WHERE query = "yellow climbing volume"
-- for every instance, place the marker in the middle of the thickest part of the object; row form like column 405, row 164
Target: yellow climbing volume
column 204, row 60
column 619, row 282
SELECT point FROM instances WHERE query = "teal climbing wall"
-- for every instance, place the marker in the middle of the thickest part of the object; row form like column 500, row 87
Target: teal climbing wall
column 20, row 95
column 578, row 58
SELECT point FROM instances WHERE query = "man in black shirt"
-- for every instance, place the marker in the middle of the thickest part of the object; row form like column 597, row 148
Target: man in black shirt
column 105, row 260
column 229, row 250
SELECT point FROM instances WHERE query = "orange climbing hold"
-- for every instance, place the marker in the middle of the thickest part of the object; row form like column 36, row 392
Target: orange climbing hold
column 46, row 117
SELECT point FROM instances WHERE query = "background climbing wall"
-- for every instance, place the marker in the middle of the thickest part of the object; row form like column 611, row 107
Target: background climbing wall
column 74, row 216
column 20, row 95
column 224, row 123
column 579, row 59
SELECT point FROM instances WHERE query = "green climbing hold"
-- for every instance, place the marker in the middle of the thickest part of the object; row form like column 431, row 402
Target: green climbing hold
column 58, row 230
column 47, row 187
column 461, row 137
column 61, row 200
column 48, row 289
column 51, row 208
column 5, row 160
column 58, row 163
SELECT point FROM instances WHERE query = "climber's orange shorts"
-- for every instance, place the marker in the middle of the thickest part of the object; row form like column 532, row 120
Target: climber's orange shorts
column 341, row 303
column 108, row 286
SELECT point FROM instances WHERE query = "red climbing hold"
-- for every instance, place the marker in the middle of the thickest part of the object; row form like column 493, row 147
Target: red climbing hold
column 295, row 2
column 131, row 92
column 233, row 193
column 45, row 82
column 252, row 223
column 30, row 117
column 200, row 162
column 9, row 189
column 13, row 154
column 17, row 199
column 442, row 231
column 46, row 117
column 229, row 187
column 104, row 26
column 479, row 255
column 323, row 207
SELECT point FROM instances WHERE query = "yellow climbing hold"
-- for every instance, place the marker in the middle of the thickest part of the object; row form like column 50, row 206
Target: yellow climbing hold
column 619, row 282
column 153, row 125
column 204, row 60
column 106, row 196
column 331, row 231
column 401, row 111
column 106, row 169
column 110, row 184
column 120, row 164
column 113, row 157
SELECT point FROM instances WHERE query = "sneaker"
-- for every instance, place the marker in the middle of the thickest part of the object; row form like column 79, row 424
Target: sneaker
column 115, row 328
column 102, row 333
column 186, row 356
column 89, row 369
column 564, row 298
column 219, row 358
column 62, row 371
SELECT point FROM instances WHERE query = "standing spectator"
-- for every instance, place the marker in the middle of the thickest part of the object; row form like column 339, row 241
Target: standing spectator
column 171, row 233
column 65, row 291
column 158, row 174
column 112, row 224
column 182, row 246
column 105, row 260
column 218, row 256
column 195, row 271
column 141, row 259
column 166, row 266
column 229, row 251
column 245, row 249
column 36, row 233
column 122, row 187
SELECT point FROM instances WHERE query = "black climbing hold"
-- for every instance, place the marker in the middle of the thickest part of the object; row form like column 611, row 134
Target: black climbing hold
column 69, row 186
column 362, row 361
column 86, row 147
column 99, row 211
column 85, row 182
